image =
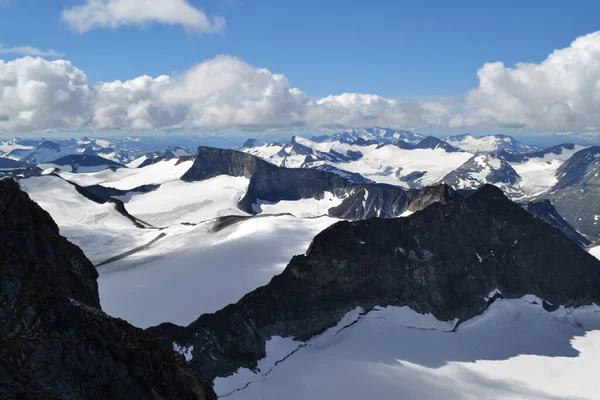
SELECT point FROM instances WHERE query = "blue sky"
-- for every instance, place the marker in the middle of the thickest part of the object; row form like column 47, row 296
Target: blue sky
column 409, row 51
column 392, row 48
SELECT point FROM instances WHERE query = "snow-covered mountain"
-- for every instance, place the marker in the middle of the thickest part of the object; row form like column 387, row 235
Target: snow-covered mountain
column 182, row 230
column 400, row 164
column 380, row 135
column 120, row 149
column 576, row 191
column 484, row 169
column 489, row 143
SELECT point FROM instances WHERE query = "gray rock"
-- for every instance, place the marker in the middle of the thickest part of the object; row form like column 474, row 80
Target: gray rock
column 577, row 191
column 444, row 260
column 55, row 342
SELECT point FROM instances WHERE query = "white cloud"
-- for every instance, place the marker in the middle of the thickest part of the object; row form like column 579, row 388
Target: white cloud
column 560, row 93
column 29, row 51
column 115, row 13
column 224, row 92
column 36, row 94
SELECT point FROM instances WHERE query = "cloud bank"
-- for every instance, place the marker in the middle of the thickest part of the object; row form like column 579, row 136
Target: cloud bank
column 562, row 93
column 115, row 13
column 224, row 92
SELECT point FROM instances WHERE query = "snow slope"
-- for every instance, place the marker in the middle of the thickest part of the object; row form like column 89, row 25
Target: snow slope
column 192, row 270
column 177, row 201
column 129, row 178
column 515, row 350
column 303, row 208
column 488, row 143
column 97, row 228
column 538, row 174
column 388, row 164
column 595, row 251
column 380, row 163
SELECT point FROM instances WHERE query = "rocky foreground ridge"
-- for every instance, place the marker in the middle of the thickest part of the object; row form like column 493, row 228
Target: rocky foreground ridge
column 55, row 341
column 443, row 260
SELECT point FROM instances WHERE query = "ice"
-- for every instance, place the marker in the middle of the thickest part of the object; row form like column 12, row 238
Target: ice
column 192, row 270
column 303, row 208
column 514, row 350
column 177, row 201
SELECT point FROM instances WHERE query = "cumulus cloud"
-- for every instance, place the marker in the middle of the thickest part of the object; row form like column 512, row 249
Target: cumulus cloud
column 29, row 51
column 224, row 92
column 560, row 93
column 36, row 94
column 115, row 13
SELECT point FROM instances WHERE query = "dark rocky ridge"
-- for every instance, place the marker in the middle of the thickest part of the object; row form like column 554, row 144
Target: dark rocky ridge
column 272, row 183
column 431, row 142
column 55, row 342
column 97, row 195
column 432, row 194
column 85, row 160
column 443, row 260
column 576, row 193
column 545, row 210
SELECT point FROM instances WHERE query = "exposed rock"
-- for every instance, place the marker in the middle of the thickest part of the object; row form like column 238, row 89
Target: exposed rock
column 576, row 193
column 353, row 177
column 376, row 200
column 75, row 161
column 444, row 260
column 431, row 142
column 430, row 195
column 55, row 342
column 272, row 183
column 546, row 211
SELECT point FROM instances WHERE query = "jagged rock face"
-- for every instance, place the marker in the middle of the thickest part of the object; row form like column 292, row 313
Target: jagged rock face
column 546, row 211
column 430, row 195
column 431, row 142
column 444, row 260
column 576, row 193
column 482, row 169
column 55, row 342
column 272, row 183
column 381, row 201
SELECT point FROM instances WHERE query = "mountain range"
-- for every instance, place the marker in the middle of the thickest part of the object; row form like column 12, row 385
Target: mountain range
column 282, row 270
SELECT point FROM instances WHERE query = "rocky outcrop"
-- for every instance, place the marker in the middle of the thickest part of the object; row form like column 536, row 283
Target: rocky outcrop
column 55, row 342
column 576, row 193
column 433, row 143
column 272, row 183
column 444, row 260
column 376, row 200
column 545, row 210
column 432, row 194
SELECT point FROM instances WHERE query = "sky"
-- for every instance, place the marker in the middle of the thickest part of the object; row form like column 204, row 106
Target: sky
column 524, row 68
